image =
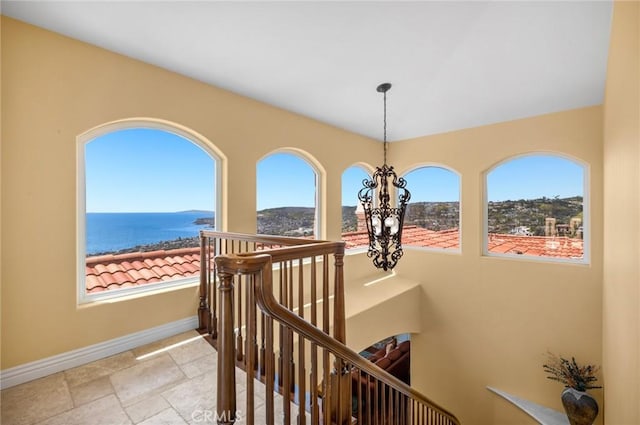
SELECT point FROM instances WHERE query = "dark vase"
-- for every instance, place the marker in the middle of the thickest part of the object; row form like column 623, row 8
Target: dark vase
column 581, row 408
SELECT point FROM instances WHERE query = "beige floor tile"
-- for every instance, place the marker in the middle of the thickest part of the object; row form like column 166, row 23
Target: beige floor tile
column 192, row 349
column 147, row 408
column 194, row 398
column 99, row 368
column 161, row 346
column 145, row 378
column 35, row 401
column 104, row 411
column 166, row 417
column 200, row 365
column 89, row 391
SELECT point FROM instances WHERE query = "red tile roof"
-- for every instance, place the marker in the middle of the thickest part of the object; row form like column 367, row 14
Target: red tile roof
column 547, row 246
column 543, row 246
column 106, row 272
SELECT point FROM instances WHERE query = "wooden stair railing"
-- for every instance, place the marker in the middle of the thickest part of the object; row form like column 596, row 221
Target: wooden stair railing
column 305, row 281
column 287, row 347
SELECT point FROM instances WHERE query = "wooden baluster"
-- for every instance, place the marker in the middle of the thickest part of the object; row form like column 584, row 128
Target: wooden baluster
column 368, row 403
column 313, row 385
column 286, row 376
column 204, row 313
column 226, row 399
column 251, row 348
column 339, row 324
column 290, row 305
column 326, row 387
column 262, row 360
column 313, row 299
column 302, row 418
column 325, row 295
column 270, row 371
column 217, row 247
column 283, row 301
column 240, row 288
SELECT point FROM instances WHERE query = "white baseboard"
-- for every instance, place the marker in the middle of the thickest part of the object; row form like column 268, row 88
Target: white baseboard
column 47, row 366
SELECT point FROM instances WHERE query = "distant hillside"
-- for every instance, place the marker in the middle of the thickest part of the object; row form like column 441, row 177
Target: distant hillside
column 504, row 216
column 349, row 220
column 287, row 221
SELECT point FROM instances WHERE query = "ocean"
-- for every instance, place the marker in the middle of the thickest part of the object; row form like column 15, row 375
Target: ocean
column 110, row 232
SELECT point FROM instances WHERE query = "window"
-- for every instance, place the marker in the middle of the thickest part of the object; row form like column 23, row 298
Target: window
column 146, row 189
column 286, row 196
column 354, row 227
column 536, row 208
column 432, row 219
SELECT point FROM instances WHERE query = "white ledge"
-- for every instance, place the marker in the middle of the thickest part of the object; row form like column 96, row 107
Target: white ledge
column 543, row 415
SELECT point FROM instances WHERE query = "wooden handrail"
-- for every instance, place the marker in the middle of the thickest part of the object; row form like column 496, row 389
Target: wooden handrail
column 260, row 264
column 264, row 239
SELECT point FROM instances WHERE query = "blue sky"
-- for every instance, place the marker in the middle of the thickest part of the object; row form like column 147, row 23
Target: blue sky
column 144, row 170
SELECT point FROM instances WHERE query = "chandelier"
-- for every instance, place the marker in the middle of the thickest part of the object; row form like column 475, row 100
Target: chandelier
column 384, row 222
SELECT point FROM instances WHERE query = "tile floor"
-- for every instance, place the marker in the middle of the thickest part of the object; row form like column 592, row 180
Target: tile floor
column 172, row 382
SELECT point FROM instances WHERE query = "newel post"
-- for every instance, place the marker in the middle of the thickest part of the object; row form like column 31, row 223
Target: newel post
column 226, row 398
column 204, row 314
column 340, row 378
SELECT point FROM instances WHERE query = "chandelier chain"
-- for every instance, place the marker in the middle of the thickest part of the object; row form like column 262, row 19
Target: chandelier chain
column 385, row 127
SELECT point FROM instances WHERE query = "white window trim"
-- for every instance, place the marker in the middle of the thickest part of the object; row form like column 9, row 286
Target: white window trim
column 586, row 215
column 132, row 123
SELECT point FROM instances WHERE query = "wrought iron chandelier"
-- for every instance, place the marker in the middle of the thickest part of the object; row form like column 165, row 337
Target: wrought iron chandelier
column 384, row 222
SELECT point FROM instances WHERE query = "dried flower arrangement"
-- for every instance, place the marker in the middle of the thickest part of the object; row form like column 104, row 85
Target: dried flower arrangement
column 570, row 373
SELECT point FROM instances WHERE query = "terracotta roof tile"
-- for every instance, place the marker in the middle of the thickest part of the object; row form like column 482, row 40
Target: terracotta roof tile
column 138, row 265
column 557, row 247
column 113, row 271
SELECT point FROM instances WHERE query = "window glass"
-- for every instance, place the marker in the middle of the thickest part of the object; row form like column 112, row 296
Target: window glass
column 432, row 219
column 286, row 191
column 148, row 192
column 354, row 228
column 535, row 208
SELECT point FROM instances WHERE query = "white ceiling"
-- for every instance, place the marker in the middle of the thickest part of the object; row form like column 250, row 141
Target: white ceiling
column 452, row 64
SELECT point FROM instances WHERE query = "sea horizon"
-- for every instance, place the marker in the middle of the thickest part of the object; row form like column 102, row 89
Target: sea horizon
column 115, row 231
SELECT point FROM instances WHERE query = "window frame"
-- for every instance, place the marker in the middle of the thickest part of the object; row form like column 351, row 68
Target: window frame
column 586, row 212
column 128, row 124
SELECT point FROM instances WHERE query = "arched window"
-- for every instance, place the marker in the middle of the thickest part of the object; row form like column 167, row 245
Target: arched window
column 354, row 228
column 287, row 196
column 145, row 191
column 536, row 208
column 432, row 219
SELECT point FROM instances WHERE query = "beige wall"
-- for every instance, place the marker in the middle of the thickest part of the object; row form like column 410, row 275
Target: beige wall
column 621, row 292
column 485, row 321
column 490, row 321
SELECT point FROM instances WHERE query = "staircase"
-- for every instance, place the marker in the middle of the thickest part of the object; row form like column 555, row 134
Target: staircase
column 277, row 310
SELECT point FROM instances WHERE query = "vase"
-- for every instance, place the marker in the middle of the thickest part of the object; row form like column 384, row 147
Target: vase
column 581, row 408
